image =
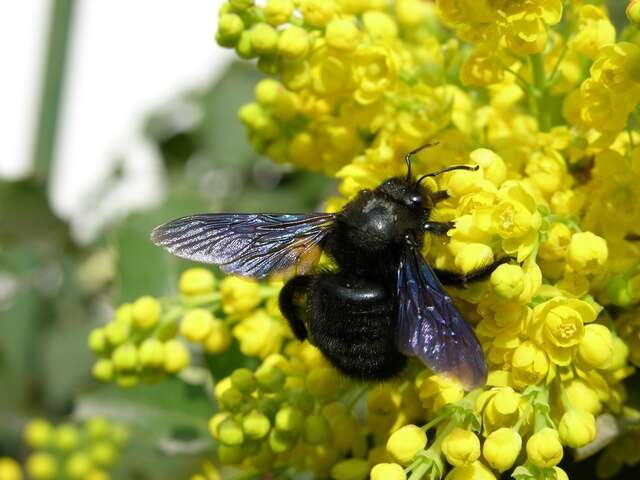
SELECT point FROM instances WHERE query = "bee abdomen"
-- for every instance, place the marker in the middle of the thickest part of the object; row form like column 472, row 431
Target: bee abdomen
column 352, row 322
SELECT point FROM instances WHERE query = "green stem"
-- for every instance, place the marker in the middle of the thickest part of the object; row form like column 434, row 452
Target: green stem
column 52, row 86
column 541, row 93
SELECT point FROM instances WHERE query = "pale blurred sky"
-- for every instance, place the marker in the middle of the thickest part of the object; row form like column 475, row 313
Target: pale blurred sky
column 126, row 57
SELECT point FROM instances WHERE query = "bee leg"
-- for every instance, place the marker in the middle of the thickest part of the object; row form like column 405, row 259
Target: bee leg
column 438, row 228
column 461, row 280
column 439, row 196
column 291, row 302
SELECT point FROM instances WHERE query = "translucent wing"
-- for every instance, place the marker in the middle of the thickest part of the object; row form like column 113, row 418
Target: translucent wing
column 252, row 245
column 431, row 327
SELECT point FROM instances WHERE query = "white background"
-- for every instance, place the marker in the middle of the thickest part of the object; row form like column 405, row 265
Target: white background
column 126, row 57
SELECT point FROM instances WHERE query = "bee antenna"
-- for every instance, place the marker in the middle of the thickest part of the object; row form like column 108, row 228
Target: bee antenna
column 407, row 157
column 471, row 168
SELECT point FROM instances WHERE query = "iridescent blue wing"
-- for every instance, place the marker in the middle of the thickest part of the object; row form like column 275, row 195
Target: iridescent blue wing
column 252, row 245
column 431, row 327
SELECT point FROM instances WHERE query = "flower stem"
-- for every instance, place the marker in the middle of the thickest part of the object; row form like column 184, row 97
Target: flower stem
column 541, row 92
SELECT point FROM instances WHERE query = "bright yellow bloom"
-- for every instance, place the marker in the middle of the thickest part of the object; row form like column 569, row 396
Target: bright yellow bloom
column 587, row 253
column 530, row 364
column 196, row 281
column 404, row 443
column 239, row 296
column 146, row 312
column 259, row 334
column 351, row 469
column 197, row 325
column 475, row 471
column 388, row 471
column 544, row 449
column 577, row 428
column 501, row 448
column 10, row 469
column 461, row 447
column 596, row 347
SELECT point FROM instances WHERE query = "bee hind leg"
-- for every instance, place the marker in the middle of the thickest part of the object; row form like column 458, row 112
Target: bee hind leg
column 461, row 280
column 292, row 303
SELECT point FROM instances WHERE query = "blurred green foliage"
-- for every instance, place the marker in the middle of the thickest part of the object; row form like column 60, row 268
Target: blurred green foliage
column 53, row 290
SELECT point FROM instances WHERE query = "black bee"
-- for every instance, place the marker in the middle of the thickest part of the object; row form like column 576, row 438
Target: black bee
column 381, row 304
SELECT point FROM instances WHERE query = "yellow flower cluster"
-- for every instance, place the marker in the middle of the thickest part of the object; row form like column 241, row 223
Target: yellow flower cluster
column 78, row 452
column 540, row 95
column 148, row 339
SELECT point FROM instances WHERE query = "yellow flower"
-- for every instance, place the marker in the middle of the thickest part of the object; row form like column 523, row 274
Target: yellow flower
column 374, row 71
column 403, row 444
column 476, row 471
column 596, row 348
column 38, row 433
column 633, row 12
column 219, row 338
column 342, row 34
column 10, row 469
column 196, row 281
column 318, row 12
column 617, row 67
column 544, row 448
column 293, row 43
column 277, row 12
column 239, row 295
column 587, row 253
column 351, row 469
column 461, row 447
column 42, row 466
column 548, row 171
column 529, row 364
column 151, row 353
column 508, row 281
column 557, row 242
column 435, row 391
column 176, row 356
column 146, row 312
column 473, row 256
column 583, row 396
column 577, row 428
column 388, row 471
column 500, row 407
column 501, row 448
column 196, row 325
column 259, row 334
column 594, row 31
column 558, row 325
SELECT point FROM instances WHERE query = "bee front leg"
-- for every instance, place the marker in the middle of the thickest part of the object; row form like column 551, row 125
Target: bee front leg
column 461, row 280
column 438, row 228
column 439, row 196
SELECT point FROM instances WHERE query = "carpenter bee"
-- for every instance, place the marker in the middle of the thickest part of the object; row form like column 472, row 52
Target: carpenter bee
column 380, row 305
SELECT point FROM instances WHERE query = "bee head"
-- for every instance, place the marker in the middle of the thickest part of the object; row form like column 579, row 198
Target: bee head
column 408, row 193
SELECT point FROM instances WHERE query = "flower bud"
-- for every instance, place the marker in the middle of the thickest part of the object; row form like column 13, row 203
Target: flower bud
column 78, row 465
column 256, row 425
column 544, row 448
column 577, row 428
column 244, row 380
column 42, row 466
column 125, row 357
column 557, row 242
column 318, row 13
column 230, row 433
column 38, row 433
column 508, row 281
column 289, row 420
column 473, row 256
column 219, row 338
column 103, row 453
column 215, row 422
column 633, row 12
column 270, row 379
column 461, row 447
column 316, row 429
column 619, row 291
column 293, row 43
column 116, row 333
column 151, row 353
column 620, row 354
column 476, row 471
column 10, row 469
column 103, row 370
column 196, row 325
column 124, row 314
column 388, row 471
column 583, row 397
column 587, row 252
column 501, row 448
column 404, row 443
column 529, row 364
column 279, row 441
column 97, row 340
column 176, row 356
column 239, row 296
column 244, row 49
column 231, row 398
column 351, row 469
column 596, row 347
column 277, row 12
column 146, row 312
column 230, row 27
column 264, row 38
column 229, row 455
column 240, row 5
column 197, row 281
column 491, row 164
column 342, row 34
column 323, row 383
